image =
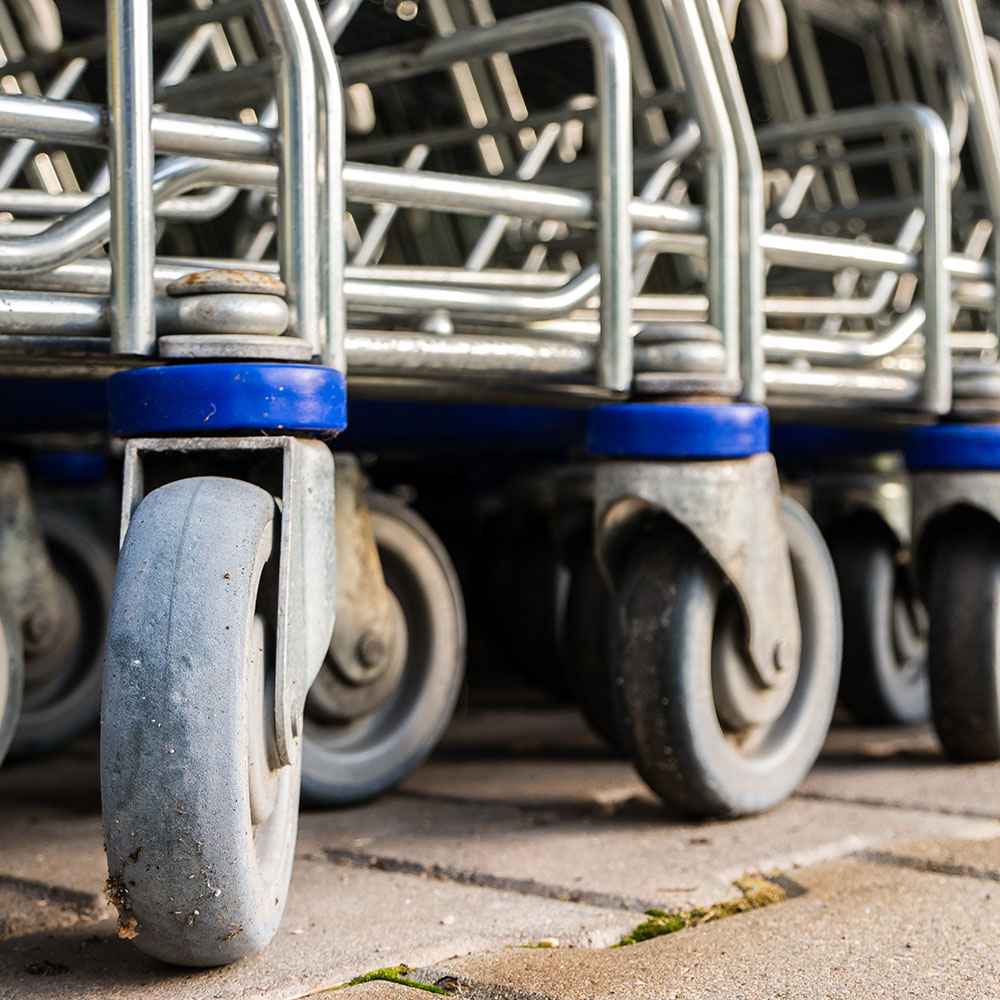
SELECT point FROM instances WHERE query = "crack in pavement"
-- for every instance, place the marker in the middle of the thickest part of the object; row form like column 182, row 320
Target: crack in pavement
column 926, row 865
column 483, row 880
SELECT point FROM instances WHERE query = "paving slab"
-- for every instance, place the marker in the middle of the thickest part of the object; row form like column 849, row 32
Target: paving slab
column 338, row 924
column 523, row 828
column 859, row 932
column 911, row 779
column 637, row 858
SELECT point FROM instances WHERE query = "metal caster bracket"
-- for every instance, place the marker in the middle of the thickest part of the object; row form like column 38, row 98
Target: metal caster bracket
column 27, row 577
column 300, row 474
column 362, row 636
column 935, row 492
column 732, row 508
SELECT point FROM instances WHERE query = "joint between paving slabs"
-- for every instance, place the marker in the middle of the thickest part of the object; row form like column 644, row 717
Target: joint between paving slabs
column 483, row 880
column 84, row 904
column 925, row 865
column 876, row 803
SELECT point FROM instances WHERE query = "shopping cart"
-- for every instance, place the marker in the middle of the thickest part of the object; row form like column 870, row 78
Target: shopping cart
column 556, row 258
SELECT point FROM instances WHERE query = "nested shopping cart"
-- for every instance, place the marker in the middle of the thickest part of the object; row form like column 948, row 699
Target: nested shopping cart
column 560, row 272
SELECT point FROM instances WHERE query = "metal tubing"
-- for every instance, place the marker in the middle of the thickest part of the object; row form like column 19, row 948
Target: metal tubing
column 298, row 155
column 607, row 39
column 751, row 200
column 130, row 156
column 332, row 308
column 795, row 346
column 931, row 140
column 980, row 89
column 75, row 123
column 721, row 173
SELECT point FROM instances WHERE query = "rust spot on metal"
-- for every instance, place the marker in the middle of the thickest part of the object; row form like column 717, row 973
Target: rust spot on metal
column 226, row 280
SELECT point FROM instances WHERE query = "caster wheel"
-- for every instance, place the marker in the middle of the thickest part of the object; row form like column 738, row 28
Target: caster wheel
column 359, row 740
column 883, row 677
column 963, row 653
column 62, row 687
column 587, row 644
column 11, row 677
column 700, row 730
column 199, row 821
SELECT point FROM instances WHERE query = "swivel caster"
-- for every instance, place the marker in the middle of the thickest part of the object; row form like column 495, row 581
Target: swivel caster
column 199, row 817
column 702, row 730
column 883, row 678
column 63, row 668
column 964, row 647
column 365, row 734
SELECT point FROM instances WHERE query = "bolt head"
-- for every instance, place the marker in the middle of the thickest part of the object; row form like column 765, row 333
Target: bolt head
column 371, row 650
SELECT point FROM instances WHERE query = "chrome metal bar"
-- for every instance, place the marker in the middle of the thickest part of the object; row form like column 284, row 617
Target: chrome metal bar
column 931, row 140
column 607, row 39
column 130, row 154
column 333, row 313
column 980, row 89
column 296, row 84
column 721, row 173
column 751, row 201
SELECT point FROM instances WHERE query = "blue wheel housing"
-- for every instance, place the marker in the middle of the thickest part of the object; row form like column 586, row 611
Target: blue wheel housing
column 678, row 430
column 222, row 398
column 954, row 446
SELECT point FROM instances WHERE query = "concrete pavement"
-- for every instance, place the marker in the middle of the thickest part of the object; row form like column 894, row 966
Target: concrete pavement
column 523, row 829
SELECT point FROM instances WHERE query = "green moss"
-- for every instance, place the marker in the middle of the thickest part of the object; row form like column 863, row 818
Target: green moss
column 755, row 892
column 395, row 974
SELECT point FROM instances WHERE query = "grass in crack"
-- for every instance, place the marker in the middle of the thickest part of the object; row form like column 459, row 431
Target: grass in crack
column 755, row 892
column 394, row 974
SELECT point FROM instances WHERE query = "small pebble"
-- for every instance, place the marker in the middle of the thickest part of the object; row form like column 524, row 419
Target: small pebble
column 448, row 920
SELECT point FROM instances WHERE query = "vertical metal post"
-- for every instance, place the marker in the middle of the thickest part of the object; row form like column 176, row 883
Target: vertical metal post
column 130, row 147
column 298, row 158
column 979, row 87
column 721, row 175
column 613, row 77
column 332, row 250
column 751, row 195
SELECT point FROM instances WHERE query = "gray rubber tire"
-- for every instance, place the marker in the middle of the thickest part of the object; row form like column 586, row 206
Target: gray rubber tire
column 11, row 677
column 60, row 705
column 883, row 678
column 188, row 701
column 963, row 653
column 674, row 610
column 345, row 763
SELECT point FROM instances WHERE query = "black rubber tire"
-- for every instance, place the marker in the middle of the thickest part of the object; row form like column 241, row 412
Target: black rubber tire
column 963, row 651
column 883, row 678
column 187, row 734
column 670, row 603
column 59, row 710
column 587, row 627
column 11, row 677
column 346, row 763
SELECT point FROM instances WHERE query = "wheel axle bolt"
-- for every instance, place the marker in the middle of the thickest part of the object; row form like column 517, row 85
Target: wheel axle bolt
column 371, row 650
column 782, row 655
column 38, row 627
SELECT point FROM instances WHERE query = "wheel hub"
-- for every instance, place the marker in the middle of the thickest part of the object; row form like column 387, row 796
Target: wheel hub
column 339, row 699
column 742, row 700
